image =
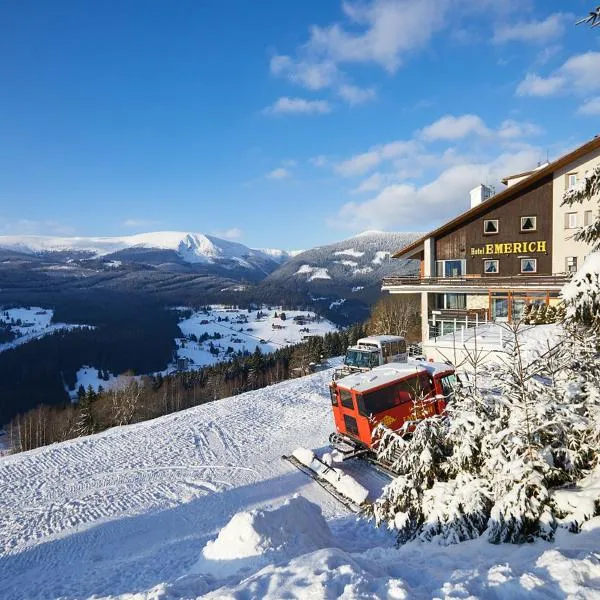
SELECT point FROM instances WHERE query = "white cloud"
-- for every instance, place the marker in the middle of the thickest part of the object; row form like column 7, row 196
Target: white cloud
column 234, row 233
column 454, row 128
column 371, row 184
column 444, row 196
column 579, row 74
column 511, row 129
column 590, row 107
column 136, row 223
column 34, row 227
column 298, row 106
column 409, row 157
column 533, row 32
column 380, row 32
column 353, row 94
column 534, row 85
column 361, row 163
column 582, row 71
column 390, row 30
column 280, row 173
column 311, row 75
column 318, row 161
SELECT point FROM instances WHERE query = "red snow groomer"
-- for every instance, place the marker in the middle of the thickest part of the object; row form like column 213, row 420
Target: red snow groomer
column 392, row 394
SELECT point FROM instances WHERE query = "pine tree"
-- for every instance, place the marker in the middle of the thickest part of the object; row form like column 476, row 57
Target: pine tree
column 582, row 294
column 490, row 464
column 533, row 314
column 540, row 315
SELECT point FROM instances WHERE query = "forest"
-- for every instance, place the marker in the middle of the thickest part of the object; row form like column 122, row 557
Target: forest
column 131, row 333
column 155, row 396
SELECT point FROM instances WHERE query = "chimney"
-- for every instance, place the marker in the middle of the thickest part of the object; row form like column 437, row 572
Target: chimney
column 480, row 194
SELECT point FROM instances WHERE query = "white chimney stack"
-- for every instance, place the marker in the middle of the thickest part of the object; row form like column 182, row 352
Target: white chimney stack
column 480, row 194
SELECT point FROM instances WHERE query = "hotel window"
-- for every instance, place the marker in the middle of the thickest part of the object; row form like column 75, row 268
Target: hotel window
column 571, row 220
column 528, row 223
column 571, row 264
column 450, row 268
column 491, row 266
column 587, row 217
column 490, row 226
column 571, row 180
column 529, row 265
column 455, row 301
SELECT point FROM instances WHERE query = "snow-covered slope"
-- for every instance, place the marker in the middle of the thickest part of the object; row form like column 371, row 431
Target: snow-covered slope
column 361, row 260
column 136, row 512
column 344, row 278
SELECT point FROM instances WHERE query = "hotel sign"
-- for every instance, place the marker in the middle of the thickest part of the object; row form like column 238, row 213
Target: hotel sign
column 510, row 248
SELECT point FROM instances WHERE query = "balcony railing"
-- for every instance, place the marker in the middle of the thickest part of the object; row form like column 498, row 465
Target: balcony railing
column 478, row 281
column 445, row 321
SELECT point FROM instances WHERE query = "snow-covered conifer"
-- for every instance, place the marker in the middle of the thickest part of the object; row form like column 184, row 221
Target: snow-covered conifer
column 492, row 463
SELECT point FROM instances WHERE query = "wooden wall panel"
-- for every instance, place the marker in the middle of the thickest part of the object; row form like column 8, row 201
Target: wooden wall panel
column 534, row 201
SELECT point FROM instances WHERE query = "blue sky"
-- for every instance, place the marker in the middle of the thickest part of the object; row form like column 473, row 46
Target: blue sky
column 280, row 123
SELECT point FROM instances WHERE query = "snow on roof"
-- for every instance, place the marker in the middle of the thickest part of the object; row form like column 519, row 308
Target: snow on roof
column 380, row 338
column 389, row 373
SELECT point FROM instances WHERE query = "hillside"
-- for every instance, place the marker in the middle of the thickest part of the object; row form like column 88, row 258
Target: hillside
column 344, row 278
column 134, row 507
column 192, row 268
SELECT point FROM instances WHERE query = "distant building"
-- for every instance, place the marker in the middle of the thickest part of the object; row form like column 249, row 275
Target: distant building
column 509, row 249
column 183, row 364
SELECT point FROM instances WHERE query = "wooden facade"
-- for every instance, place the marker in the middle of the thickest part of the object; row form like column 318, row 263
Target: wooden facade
column 469, row 242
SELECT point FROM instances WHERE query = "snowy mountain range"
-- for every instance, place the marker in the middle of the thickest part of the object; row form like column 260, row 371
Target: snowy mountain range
column 187, row 267
column 192, row 248
column 355, row 263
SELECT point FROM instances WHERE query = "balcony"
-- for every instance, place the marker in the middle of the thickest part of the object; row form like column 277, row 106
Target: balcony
column 444, row 321
column 474, row 283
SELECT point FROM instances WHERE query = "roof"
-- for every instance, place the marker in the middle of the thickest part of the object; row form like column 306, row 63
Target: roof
column 389, row 373
column 503, row 196
column 505, row 180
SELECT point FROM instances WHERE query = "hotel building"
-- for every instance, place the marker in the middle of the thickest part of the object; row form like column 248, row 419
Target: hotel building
column 509, row 249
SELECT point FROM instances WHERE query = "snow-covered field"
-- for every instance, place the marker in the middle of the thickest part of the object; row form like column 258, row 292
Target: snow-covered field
column 141, row 512
column 240, row 330
column 30, row 324
column 88, row 376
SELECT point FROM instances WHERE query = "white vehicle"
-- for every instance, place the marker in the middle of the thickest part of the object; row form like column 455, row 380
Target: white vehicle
column 372, row 351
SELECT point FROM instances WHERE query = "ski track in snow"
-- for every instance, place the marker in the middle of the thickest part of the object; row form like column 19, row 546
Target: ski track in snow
column 133, row 506
column 126, row 513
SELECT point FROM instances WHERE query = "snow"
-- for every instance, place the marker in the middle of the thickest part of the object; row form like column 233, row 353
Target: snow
column 253, row 539
column 388, row 373
column 337, row 303
column 349, row 252
column 494, row 341
column 192, row 247
column 90, row 376
column 581, row 293
column 131, row 513
column 342, row 482
column 277, row 255
column 363, row 270
column 243, row 331
column 304, row 269
column 380, row 256
column 313, row 272
column 36, row 322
